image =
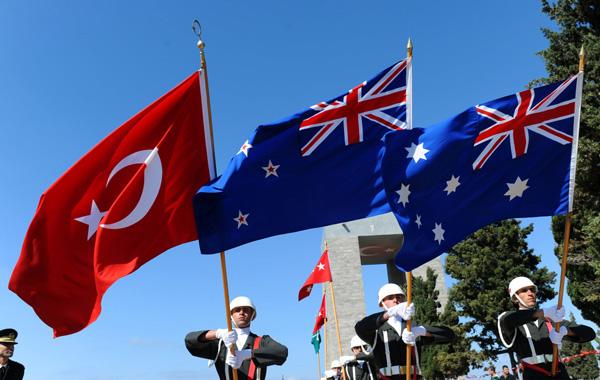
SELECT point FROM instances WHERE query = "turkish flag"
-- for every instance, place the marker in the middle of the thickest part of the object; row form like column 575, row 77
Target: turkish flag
column 320, row 274
column 321, row 317
column 122, row 204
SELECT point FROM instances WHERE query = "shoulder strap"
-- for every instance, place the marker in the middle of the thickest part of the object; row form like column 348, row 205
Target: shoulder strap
column 252, row 369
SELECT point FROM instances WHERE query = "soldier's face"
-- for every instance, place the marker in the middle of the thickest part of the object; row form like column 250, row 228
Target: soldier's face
column 392, row 300
column 527, row 296
column 7, row 350
column 242, row 316
column 356, row 350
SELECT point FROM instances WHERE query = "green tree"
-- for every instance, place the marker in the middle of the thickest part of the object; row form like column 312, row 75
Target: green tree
column 578, row 23
column 425, row 298
column 483, row 264
column 580, row 368
column 444, row 360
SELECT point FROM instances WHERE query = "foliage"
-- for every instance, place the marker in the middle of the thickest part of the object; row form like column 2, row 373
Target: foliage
column 483, row 265
column 578, row 24
column 445, row 360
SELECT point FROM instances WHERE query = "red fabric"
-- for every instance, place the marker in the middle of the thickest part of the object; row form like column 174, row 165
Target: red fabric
column 320, row 274
column 67, row 265
column 321, row 317
column 252, row 368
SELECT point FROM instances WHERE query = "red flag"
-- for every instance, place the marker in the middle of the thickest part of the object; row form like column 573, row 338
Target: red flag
column 122, row 204
column 321, row 317
column 320, row 274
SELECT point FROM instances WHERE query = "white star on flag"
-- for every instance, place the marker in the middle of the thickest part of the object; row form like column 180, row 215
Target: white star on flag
column 241, row 219
column 244, row 149
column 452, row 184
column 309, row 288
column 416, row 152
column 92, row 220
column 404, row 192
column 418, row 221
column 271, row 169
column 517, row 188
column 321, row 266
column 438, row 231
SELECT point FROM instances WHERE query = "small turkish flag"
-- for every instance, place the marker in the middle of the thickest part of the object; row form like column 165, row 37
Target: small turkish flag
column 320, row 274
column 321, row 317
column 122, row 204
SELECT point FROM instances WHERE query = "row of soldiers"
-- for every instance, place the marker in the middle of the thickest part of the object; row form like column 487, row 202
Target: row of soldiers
column 379, row 349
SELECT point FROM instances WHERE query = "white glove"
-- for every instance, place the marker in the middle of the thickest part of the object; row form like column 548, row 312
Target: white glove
column 228, row 337
column 236, row 360
column 330, row 373
column 346, row 359
column 402, row 310
column 556, row 315
column 409, row 337
column 557, row 336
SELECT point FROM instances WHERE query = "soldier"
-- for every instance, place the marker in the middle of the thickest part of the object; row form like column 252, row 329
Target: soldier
column 386, row 333
column 253, row 353
column 335, row 373
column 360, row 365
column 9, row 369
column 529, row 331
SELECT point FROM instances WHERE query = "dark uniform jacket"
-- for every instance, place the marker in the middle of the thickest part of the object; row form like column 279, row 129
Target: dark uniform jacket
column 373, row 330
column 14, row 371
column 269, row 352
column 513, row 327
column 363, row 368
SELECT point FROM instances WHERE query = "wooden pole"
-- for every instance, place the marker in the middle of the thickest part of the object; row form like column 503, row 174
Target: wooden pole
column 197, row 29
column 325, row 330
column 337, row 326
column 567, row 233
column 409, row 348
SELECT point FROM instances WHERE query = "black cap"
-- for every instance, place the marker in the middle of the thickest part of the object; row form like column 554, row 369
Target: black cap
column 8, row 336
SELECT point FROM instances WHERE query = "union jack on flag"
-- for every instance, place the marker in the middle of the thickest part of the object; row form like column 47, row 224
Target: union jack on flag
column 366, row 112
column 529, row 115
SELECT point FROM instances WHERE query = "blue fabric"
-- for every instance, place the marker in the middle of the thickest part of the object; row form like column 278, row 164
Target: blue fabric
column 538, row 171
column 336, row 182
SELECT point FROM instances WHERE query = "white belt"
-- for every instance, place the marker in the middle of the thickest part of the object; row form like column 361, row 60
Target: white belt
column 538, row 359
column 397, row 370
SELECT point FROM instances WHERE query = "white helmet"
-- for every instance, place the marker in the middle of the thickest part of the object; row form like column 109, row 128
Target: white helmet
column 519, row 283
column 357, row 342
column 388, row 290
column 336, row 364
column 243, row 301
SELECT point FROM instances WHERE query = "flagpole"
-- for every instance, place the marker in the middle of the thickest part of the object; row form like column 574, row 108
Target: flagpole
column 337, row 326
column 409, row 348
column 197, row 30
column 319, row 365
column 567, row 233
column 325, row 330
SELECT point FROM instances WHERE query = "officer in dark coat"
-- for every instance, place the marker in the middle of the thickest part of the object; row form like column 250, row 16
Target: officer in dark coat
column 9, row 370
column 529, row 331
column 387, row 334
column 253, row 353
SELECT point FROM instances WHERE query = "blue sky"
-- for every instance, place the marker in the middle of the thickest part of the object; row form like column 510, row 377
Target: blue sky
column 74, row 71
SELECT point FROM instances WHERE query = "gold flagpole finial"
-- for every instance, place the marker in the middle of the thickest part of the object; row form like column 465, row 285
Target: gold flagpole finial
column 197, row 29
column 581, row 58
column 409, row 48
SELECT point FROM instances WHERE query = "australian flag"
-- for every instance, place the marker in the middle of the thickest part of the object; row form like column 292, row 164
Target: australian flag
column 509, row 158
column 315, row 168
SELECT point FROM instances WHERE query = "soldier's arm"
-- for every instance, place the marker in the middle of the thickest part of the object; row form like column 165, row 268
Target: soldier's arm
column 367, row 327
column 198, row 345
column 513, row 319
column 269, row 352
column 438, row 334
column 364, row 356
column 578, row 333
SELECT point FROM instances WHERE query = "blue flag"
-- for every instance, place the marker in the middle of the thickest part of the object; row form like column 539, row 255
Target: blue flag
column 315, row 168
column 509, row 158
